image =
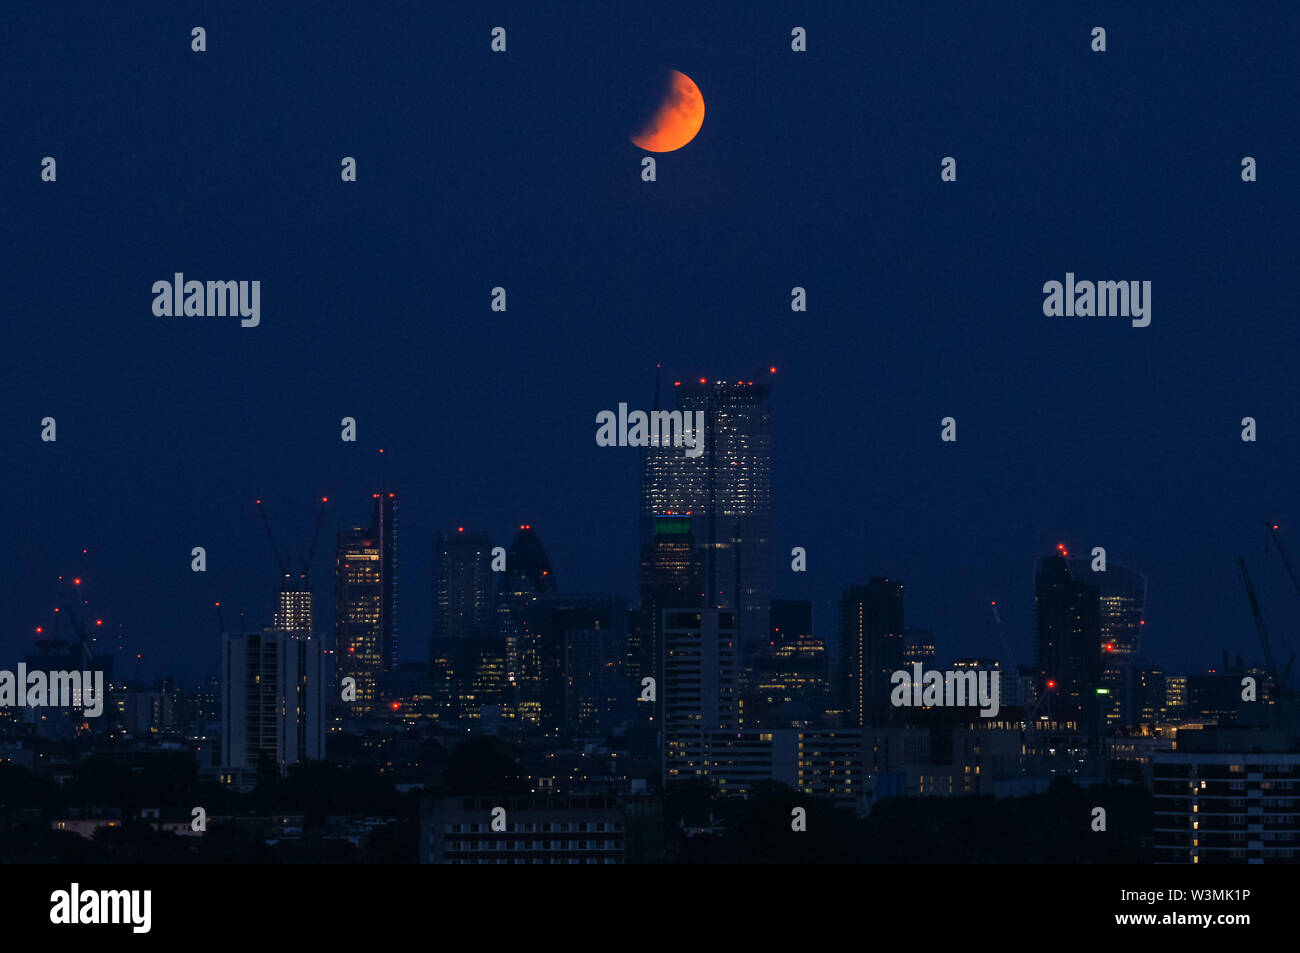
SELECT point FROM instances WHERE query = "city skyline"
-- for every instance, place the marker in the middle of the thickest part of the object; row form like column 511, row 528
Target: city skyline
column 979, row 635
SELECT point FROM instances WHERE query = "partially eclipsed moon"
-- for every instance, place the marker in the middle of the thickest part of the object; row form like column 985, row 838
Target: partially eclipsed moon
column 677, row 119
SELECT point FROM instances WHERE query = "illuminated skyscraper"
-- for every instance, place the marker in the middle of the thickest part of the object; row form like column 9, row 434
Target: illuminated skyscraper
column 358, row 611
column 727, row 490
column 462, row 585
column 293, row 611
column 701, row 699
column 671, row 578
column 528, row 577
column 1123, row 595
column 294, row 604
column 365, row 602
column 1121, row 602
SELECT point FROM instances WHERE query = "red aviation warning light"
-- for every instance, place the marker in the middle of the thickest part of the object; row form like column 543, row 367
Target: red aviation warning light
column 1051, row 683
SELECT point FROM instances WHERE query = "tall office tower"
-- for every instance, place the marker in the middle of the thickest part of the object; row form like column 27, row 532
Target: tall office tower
column 365, row 602
column 1123, row 595
column 528, row 575
column 701, row 704
column 358, row 614
column 871, row 636
column 671, row 578
column 384, row 520
column 273, row 701
column 1122, row 600
column 549, row 625
column 597, row 692
column 726, row 489
column 462, row 585
column 1067, row 620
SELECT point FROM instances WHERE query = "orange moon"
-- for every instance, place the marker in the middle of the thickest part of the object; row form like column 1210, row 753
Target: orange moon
column 678, row 118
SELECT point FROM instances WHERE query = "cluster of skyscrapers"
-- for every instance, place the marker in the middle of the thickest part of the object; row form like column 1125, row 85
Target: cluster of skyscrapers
column 711, row 678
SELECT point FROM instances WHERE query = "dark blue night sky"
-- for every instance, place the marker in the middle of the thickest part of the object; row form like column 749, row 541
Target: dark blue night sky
column 817, row 169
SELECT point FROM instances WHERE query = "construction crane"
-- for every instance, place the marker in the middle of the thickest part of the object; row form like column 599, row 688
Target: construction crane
column 1275, row 534
column 275, row 547
column 315, row 535
column 77, row 627
column 284, row 562
column 1279, row 678
column 1002, row 635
